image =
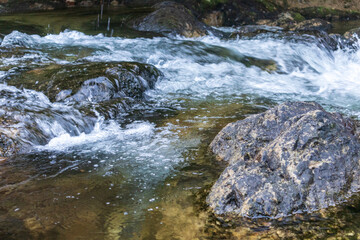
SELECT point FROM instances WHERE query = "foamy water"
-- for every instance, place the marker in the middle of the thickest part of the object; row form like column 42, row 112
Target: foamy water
column 195, row 69
column 207, row 66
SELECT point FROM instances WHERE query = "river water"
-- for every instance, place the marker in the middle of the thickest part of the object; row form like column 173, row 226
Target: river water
column 145, row 174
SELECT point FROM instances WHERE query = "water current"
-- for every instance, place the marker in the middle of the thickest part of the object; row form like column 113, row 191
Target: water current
column 145, row 174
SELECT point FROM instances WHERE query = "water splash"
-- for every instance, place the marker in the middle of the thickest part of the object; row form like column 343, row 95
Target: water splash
column 275, row 67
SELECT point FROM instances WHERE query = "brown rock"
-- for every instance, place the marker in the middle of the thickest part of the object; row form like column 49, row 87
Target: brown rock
column 215, row 18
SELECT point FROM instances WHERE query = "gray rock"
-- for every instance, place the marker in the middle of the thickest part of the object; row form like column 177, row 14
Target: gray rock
column 171, row 18
column 290, row 159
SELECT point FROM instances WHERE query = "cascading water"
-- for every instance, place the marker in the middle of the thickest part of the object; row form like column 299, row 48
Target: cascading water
column 136, row 176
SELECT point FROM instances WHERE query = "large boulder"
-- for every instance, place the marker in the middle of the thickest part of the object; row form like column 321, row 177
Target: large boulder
column 293, row 158
column 171, row 18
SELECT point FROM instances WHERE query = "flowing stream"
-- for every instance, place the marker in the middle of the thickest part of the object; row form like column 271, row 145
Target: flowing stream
column 145, row 174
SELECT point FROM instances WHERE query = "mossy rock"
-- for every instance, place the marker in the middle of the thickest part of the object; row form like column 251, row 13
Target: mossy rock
column 101, row 81
column 328, row 13
column 171, row 18
column 311, row 25
column 297, row 17
column 268, row 5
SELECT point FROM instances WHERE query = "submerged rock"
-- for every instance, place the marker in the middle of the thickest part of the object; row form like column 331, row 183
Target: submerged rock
column 171, row 18
column 293, row 158
column 330, row 13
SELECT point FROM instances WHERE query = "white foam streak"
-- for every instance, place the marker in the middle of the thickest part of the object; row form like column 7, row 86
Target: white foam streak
column 102, row 132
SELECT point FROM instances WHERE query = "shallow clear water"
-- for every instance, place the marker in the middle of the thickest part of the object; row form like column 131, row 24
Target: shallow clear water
column 145, row 175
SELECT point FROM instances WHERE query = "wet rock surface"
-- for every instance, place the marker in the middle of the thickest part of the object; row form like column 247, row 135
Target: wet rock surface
column 293, row 158
column 90, row 82
column 171, row 18
column 108, row 88
column 33, row 120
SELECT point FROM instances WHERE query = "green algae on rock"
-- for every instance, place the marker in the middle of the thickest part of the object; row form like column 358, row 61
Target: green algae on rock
column 76, row 82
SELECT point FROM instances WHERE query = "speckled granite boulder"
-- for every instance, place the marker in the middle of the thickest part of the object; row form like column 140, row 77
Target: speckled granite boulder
column 293, row 158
